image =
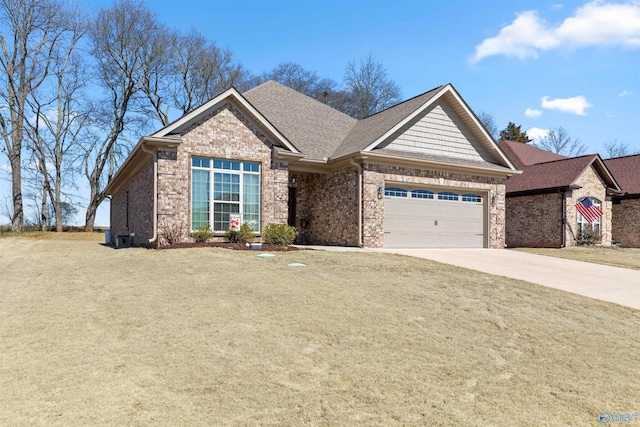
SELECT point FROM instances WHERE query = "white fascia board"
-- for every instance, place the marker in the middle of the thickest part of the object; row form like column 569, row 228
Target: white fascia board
column 447, row 89
column 406, row 120
column 480, row 126
column 226, row 96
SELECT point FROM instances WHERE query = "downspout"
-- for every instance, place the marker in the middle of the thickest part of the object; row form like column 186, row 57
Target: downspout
column 563, row 215
column 155, row 191
column 359, row 166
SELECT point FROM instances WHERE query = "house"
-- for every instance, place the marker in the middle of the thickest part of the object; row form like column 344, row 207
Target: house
column 541, row 203
column 423, row 173
column 626, row 207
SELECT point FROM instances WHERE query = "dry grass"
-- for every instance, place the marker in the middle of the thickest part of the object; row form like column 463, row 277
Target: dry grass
column 96, row 336
column 617, row 257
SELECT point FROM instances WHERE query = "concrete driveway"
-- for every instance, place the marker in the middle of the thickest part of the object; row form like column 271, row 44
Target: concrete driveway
column 614, row 284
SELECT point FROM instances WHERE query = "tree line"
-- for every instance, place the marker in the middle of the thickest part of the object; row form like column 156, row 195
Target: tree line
column 77, row 91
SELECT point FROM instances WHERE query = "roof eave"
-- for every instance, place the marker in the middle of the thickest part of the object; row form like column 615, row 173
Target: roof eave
column 448, row 89
column 135, row 159
column 424, row 163
column 229, row 95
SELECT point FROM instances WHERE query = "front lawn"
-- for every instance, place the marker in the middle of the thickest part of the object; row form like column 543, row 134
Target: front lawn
column 617, row 257
column 97, row 336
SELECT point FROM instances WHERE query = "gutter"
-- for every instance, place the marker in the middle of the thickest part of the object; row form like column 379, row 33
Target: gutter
column 154, row 153
column 359, row 166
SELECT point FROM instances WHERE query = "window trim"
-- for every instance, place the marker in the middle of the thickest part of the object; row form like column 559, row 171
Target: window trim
column 241, row 171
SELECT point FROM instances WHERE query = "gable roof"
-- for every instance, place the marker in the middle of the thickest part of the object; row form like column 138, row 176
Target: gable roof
column 371, row 128
column 544, row 171
column 524, row 154
column 550, row 175
column 370, row 133
column 626, row 170
column 233, row 96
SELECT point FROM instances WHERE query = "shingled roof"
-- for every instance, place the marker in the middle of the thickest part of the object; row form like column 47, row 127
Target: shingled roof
column 313, row 127
column 373, row 127
column 524, row 155
column 626, row 170
column 544, row 171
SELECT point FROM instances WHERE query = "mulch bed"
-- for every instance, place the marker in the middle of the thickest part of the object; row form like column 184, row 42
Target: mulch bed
column 233, row 246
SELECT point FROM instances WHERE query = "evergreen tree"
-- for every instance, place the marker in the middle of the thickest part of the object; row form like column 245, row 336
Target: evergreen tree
column 514, row 133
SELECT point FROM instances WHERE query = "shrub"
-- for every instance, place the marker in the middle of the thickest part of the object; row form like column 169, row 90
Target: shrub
column 244, row 235
column 203, row 233
column 279, row 234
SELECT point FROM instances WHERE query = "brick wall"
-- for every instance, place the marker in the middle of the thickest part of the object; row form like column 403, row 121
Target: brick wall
column 626, row 223
column 139, row 191
column 375, row 175
column 534, row 221
column 223, row 134
column 331, row 200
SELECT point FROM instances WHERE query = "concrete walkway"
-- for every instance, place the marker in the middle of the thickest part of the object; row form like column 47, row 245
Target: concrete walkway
column 613, row 284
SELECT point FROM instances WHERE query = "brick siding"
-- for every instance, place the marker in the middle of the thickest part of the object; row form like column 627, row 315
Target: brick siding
column 626, row 223
column 139, row 190
column 375, row 175
column 535, row 220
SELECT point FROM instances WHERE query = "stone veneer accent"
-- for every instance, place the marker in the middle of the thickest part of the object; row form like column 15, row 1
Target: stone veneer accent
column 375, row 175
column 626, row 223
column 140, row 193
column 535, row 220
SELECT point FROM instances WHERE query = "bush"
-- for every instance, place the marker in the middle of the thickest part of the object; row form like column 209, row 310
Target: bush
column 244, row 235
column 203, row 233
column 279, row 234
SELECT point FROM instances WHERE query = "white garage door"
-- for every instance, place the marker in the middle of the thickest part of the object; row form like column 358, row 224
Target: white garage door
column 431, row 218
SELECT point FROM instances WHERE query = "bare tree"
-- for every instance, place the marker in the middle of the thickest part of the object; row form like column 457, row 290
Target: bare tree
column 31, row 31
column 617, row 148
column 201, row 70
column 369, row 88
column 560, row 142
column 60, row 117
column 489, row 124
column 120, row 39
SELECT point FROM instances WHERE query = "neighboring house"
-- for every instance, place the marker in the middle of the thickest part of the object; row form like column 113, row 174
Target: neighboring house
column 541, row 202
column 626, row 207
column 424, row 173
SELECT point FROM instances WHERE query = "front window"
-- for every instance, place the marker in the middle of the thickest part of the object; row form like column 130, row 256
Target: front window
column 222, row 187
column 589, row 232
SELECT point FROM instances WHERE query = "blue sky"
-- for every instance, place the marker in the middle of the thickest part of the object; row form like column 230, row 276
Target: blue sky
column 540, row 64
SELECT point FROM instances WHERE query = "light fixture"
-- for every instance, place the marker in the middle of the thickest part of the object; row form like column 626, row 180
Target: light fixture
column 381, row 191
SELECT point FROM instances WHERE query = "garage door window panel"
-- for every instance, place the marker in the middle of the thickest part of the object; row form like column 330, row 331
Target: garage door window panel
column 395, row 192
column 422, row 194
column 471, row 198
column 448, row 195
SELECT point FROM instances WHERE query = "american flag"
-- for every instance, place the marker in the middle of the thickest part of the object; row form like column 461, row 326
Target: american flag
column 588, row 210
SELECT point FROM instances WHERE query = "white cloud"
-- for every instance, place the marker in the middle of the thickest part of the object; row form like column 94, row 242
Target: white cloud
column 594, row 24
column 625, row 93
column 532, row 112
column 576, row 105
column 5, row 168
column 537, row 134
